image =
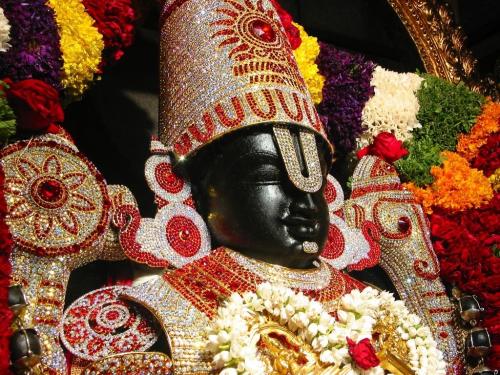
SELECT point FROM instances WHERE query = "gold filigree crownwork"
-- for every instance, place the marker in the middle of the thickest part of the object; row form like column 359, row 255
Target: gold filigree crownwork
column 227, row 64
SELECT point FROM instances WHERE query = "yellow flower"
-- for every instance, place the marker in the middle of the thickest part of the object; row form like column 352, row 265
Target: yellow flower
column 488, row 122
column 456, row 186
column 306, row 56
column 495, row 180
column 81, row 44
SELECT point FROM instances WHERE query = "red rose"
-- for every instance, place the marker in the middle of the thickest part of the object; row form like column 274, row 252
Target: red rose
column 488, row 158
column 385, row 146
column 35, row 103
column 115, row 21
column 363, row 353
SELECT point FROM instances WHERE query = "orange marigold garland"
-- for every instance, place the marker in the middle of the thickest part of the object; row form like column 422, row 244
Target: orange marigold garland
column 456, row 186
column 422, row 196
column 487, row 123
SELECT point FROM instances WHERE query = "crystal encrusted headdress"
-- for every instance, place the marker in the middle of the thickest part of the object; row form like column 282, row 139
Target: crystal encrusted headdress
column 227, row 64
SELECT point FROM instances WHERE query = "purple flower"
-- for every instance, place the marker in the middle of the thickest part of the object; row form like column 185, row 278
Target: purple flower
column 35, row 51
column 347, row 88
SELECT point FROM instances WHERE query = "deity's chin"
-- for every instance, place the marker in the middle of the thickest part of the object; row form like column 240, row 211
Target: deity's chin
column 297, row 255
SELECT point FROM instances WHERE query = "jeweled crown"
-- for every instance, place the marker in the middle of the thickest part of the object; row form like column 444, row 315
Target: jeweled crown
column 226, row 64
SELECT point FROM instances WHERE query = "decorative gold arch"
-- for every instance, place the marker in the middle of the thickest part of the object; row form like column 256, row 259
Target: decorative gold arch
column 441, row 43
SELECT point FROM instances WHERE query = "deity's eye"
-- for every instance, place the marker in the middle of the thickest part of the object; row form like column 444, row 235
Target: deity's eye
column 404, row 224
column 257, row 168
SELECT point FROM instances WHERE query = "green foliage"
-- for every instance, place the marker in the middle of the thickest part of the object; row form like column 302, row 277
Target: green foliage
column 7, row 116
column 416, row 167
column 446, row 110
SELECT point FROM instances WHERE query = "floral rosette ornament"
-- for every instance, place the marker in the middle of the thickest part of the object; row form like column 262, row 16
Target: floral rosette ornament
column 57, row 202
column 277, row 329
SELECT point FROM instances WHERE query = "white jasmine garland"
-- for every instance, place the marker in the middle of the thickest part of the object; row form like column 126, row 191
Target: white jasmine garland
column 394, row 106
column 232, row 338
column 4, row 32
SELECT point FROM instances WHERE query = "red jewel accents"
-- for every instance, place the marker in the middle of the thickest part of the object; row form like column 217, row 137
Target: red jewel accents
column 263, row 31
column 330, row 192
column 206, row 281
column 403, row 224
column 183, row 236
column 112, row 315
column 335, row 244
column 50, row 190
column 99, row 324
column 167, row 179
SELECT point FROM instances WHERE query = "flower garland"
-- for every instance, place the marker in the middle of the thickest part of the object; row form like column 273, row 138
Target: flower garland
column 4, row 32
column 81, row 45
column 486, row 124
column 233, row 337
column 57, row 42
column 394, row 106
column 7, row 116
column 306, row 55
column 446, row 111
column 115, row 21
column 467, row 244
column 346, row 90
column 56, row 46
column 456, row 186
column 34, row 51
column 6, row 315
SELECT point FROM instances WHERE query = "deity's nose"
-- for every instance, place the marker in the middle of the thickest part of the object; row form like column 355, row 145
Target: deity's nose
column 304, row 205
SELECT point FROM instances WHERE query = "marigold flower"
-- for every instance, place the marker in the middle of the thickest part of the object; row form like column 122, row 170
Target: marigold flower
column 456, row 186
column 487, row 122
column 422, row 196
column 306, row 55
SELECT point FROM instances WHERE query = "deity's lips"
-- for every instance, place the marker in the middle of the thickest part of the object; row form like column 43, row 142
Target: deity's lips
column 301, row 227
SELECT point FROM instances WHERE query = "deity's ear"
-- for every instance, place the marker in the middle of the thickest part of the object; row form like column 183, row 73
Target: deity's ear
column 178, row 234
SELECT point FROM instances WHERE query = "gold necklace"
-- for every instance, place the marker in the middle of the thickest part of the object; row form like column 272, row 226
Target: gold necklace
column 312, row 279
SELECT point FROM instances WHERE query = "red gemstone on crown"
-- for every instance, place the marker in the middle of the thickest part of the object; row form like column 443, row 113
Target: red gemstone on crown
column 50, row 190
column 263, row 31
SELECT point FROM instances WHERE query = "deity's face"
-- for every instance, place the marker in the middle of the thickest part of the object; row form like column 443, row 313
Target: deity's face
column 249, row 203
